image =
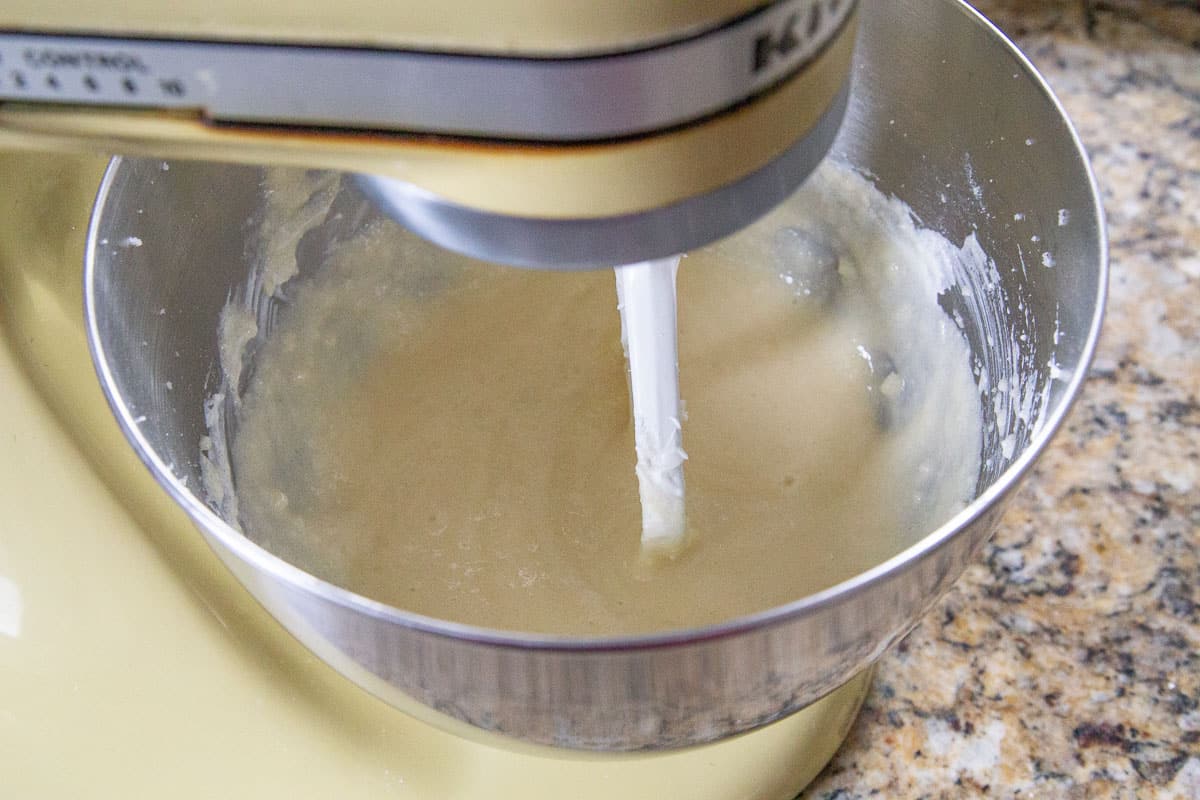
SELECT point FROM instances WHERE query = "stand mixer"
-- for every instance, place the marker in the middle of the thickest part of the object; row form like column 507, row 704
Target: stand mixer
column 561, row 170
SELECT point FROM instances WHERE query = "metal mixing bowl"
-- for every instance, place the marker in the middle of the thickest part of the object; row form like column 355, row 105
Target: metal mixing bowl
column 946, row 114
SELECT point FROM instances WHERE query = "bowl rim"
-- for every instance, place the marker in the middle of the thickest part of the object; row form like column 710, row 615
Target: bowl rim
column 264, row 561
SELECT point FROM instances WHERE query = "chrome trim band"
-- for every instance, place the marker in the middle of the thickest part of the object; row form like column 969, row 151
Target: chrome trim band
column 609, row 241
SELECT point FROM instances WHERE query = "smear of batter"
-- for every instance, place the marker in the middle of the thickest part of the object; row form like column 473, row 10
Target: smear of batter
column 454, row 438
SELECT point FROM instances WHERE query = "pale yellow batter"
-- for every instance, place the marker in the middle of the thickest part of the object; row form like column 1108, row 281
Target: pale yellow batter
column 455, row 439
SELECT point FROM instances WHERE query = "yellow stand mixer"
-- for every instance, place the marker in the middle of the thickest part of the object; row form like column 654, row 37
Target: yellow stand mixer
column 560, row 135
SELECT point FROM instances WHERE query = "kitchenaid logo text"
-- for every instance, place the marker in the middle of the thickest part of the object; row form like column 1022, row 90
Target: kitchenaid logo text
column 115, row 61
column 798, row 29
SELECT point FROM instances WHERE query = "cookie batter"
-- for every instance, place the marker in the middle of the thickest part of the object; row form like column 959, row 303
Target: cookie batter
column 455, row 438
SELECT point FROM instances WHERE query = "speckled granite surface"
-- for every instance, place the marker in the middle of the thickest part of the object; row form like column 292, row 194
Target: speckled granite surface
column 1067, row 665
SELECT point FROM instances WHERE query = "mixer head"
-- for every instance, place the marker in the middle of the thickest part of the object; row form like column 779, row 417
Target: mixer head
column 562, row 134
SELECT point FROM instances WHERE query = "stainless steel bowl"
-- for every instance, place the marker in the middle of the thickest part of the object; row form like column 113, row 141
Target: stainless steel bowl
column 945, row 113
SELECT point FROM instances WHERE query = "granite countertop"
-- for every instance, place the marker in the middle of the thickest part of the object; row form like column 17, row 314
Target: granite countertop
column 1067, row 663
